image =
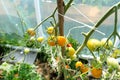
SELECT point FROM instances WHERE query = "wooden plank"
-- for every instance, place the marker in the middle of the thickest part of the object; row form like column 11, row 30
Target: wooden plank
column 17, row 55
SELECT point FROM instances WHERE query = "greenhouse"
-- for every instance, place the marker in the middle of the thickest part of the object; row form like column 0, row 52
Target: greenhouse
column 59, row 39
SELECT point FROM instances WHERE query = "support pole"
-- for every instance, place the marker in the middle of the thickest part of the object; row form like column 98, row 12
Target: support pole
column 60, row 5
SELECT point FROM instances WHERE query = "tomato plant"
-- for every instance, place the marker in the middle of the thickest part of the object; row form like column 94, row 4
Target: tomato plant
column 64, row 53
column 19, row 72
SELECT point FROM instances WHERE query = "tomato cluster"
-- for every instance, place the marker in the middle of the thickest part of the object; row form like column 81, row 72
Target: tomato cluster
column 95, row 44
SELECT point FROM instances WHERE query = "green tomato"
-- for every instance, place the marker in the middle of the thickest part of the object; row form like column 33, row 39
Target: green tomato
column 112, row 62
column 93, row 44
column 26, row 50
column 116, row 53
column 106, row 44
column 73, row 57
column 32, row 39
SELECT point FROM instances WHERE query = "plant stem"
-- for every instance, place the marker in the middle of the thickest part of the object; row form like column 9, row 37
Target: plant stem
column 108, row 13
column 52, row 15
column 67, row 6
column 113, row 74
column 42, row 22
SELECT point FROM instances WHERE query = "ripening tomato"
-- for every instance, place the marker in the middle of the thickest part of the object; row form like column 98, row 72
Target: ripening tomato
column 52, row 40
column 50, row 30
column 73, row 57
column 69, row 45
column 71, row 51
column 84, row 68
column 31, row 32
column 67, row 66
column 93, row 44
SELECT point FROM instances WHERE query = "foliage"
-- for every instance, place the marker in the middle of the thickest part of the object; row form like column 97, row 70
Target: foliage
column 74, row 42
column 43, row 55
column 12, row 38
column 20, row 71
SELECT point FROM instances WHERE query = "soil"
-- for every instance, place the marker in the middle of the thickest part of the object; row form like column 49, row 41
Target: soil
column 45, row 70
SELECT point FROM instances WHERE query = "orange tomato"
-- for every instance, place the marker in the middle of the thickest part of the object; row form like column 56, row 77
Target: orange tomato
column 51, row 43
column 31, row 32
column 69, row 45
column 61, row 40
column 96, row 72
column 67, row 66
column 84, row 69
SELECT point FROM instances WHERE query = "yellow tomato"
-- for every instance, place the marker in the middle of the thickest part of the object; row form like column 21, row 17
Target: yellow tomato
column 50, row 30
column 31, row 32
column 78, row 64
column 71, row 51
column 40, row 39
column 106, row 44
column 93, row 44
column 61, row 41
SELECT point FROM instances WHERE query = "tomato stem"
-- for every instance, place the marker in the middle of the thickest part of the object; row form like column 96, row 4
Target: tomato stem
column 108, row 13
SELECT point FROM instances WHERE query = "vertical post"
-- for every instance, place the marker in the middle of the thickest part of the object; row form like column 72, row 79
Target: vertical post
column 60, row 6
